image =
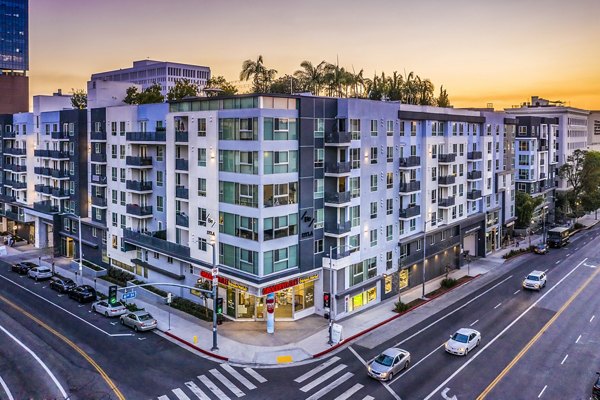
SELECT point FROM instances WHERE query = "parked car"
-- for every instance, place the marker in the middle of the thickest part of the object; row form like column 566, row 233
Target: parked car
column 596, row 387
column 139, row 320
column 23, row 267
column 541, row 248
column 463, row 341
column 388, row 363
column 38, row 273
column 536, row 280
column 62, row 285
column 83, row 293
column 109, row 310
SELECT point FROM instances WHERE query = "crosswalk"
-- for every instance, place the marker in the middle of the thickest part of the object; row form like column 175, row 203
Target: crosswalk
column 222, row 384
column 323, row 383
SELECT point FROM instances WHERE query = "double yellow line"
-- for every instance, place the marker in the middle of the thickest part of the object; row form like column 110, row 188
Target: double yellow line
column 68, row 341
column 535, row 338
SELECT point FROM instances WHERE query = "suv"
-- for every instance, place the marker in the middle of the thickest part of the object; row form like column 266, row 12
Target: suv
column 536, row 280
column 38, row 273
column 62, row 285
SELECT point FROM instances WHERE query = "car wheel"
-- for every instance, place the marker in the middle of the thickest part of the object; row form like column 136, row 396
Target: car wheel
column 406, row 364
column 391, row 376
column 106, row 313
column 466, row 351
column 36, row 278
column 135, row 328
column 477, row 343
column 94, row 308
column 122, row 321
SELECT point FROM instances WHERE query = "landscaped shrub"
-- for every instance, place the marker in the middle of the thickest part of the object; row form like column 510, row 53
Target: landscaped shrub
column 448, row 283
column 132, row 307
column 516, row 252
column 399, row 306
column 195, row 309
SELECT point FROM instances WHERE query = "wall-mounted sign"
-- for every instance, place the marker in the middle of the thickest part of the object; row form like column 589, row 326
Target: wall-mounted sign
column 209, row 276
column 309, row 278
column 239, row 286
column 279, row 286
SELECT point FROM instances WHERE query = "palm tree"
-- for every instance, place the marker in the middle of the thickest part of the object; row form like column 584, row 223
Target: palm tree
column 261, row 76
column 311, row 76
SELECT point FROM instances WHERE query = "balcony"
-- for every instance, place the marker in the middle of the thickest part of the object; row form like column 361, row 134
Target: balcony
column 138, row 161
column 446, row 202
column 58, row 174
column 60, row 193
column 138, row 186
column 42, row 171
column 337, row 168
column 182, row 192
column 336, row 228
column 473, row 175
column 146, row 136
column 410, row 212
column 9, row 135
column 45, row 189
column 474, row 195
column 16, row 185
column 542, row 175
column 15, row 168
column 98, row 136
column 154, row 241
column 55, row 154
column 98, row 158
column 446, row 158
column 343, row 138
column 337, row 197
column 474, row 155
column 409, row 187
column 45, row 207
column 181, row 164
column 139, row 211
column 60, row 135
column 410, row 162
column 14, row 216
column 182, row 220
column 15, row 151
column 181, row 137
column 446, row 180
column 98, row 180
column 99, row 202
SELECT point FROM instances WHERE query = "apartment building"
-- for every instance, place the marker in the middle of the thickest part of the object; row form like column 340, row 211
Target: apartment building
column 14, row 56
column 594, row 131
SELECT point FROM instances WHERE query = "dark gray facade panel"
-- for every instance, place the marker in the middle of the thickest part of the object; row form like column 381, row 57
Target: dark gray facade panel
column 422, row 116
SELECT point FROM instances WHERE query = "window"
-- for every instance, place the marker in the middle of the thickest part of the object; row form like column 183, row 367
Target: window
column 413, row 128
column 373, row 210
column 159, row 178
column 202, row 127
column 113, row 128
column 373, row 237
column 319, row 188
column 389, row 206
column 319, row 127
column 434, row 173
column 115, row 218
column 122, row 173
column 160, row 153
column 433, row 196
column 355, row 216
column 113, row 151
column 401, row 128
column 355, row 129
column 390, row 180
column 319, row 218
column 354, row 158
column 123, row 221
column 319, row 158
column 373, row 183
column 374, row 127
column 373, row 155
column 202, row 215
column 318, row 246
column 390, row 154
column 202, row 244
column 389, row 231
column 388, row 260
column 122, row 152
column 114, row 174
column 159, row 203
column 123, row 198
column 202, row 187
column 202, row 157
column 390, row 128
column 122, row 128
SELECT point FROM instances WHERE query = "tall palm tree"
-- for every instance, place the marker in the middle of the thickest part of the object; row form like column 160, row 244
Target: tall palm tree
column 311, row 75
column 261, row 76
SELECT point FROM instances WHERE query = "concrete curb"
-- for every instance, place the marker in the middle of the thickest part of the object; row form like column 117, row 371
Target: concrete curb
column 193, row 346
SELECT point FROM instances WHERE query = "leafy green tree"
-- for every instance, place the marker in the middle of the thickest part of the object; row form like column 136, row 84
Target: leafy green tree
column 219, row 82
column 582, row 173
column 590, row 198
column 524, row 208
column 131, row 95
column 79, row 99
column 183, row 88
column 150, row 95
column 286, row 84
column 443, row 100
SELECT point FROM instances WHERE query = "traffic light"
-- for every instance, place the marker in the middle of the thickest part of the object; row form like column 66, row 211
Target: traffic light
column 326, row 300
column 112, row 294
column 219, row 305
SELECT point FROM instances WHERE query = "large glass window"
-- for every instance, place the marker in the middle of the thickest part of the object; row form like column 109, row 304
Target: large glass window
column 277, row 162
column 238, row 193
column 280, row 194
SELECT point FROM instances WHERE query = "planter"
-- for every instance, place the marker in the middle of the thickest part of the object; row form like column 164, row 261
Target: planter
column 88, row 269
column 146, row 295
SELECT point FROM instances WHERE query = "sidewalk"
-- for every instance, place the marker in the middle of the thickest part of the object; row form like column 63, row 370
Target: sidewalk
column 248, row 343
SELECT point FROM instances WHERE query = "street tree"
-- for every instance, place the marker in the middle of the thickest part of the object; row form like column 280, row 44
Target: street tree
column 219, row 82
column 79, row 99
column 150, row 95
column 582, row 173
column 525, row 205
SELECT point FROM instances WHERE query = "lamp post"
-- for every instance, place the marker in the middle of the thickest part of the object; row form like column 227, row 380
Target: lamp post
column 215, row 285
column 425, row 249
column 330, row 341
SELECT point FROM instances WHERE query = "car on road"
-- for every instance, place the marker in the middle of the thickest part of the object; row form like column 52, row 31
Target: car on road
column 139, row 320
column 596, row 387
column 536, row 280
column 83, row 293
column 61, row 284
column 463, row 341
column 541, row 248
column 39, row 273
column 109, row 310
column 23, row 267
column 387, row 364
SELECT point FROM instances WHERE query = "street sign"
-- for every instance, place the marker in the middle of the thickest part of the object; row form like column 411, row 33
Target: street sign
column 215, row 272
column 336, row 333
column 128, row 295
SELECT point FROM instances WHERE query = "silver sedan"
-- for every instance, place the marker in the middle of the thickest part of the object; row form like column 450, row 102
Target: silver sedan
column 109, row 310
column 388, row 363
column 139, row 320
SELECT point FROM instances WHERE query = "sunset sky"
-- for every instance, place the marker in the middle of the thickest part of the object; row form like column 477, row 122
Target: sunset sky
column 482, row 51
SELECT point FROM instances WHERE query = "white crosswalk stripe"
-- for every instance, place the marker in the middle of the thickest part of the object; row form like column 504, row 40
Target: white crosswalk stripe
column 331, row 386
column 180, row 395
column 213, row 388
column 238, row 376
column 322, row 378
column 315, row 371
column 228, row 384
column 163, row 398
column 346, row 395
column 197, row 391
column 368, row 398
column 255, row 375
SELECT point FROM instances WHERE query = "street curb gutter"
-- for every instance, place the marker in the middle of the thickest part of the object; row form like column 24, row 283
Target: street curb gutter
column 193, row 346
column 351, row 338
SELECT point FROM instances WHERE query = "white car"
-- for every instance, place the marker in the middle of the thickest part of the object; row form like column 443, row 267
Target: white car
column 463, row 341
column 387, row 364
column 109, row 310
column 536, row 280
column 38, row 273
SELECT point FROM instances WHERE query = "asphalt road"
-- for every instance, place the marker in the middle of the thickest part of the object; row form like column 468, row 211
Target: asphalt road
column 85, row 354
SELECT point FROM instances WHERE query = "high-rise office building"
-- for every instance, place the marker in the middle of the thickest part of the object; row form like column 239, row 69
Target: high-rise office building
column 14, row 56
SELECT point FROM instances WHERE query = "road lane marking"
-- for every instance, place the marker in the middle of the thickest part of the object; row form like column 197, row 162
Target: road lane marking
column 322, row 378
column 474, row 357
column 357, row 356
column 591, row 319
column 498, row 305
column 564, row 359
column 568, row 254
column 557, row 262
column 197, row 391
column 6, row 389
column 315, row 371
column 238, row 376
column 163, row 397
column 473, row 323
column 452, row 312
column 542, row 392
column 445, row 396
column 577, row 341
column 213, row 388
column 417, row 363
column 255, row 375
column 68, row 341
column 517, row 292
column 546, row 270
column 348, row 393
column 39, row 361
column 539, row 334
column 228, row 384
column 61, row 308
column 368, row 398
column 180, row 395
column 331, row 386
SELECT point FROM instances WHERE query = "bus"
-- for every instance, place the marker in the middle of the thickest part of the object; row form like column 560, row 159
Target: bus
column 558, row 237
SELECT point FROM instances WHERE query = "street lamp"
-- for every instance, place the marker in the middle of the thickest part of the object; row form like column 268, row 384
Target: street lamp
column 425, row 249
column 331, row 289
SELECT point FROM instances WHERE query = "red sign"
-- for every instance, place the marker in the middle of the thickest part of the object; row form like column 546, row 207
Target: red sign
column 270, row 305
column 208, row 275
column 280, row 286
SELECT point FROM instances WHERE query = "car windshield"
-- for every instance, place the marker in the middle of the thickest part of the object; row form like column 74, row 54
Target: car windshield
column 118, row 304
column 145, row 317
column 533, row 278
column 384, row 360
column 459, row 337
